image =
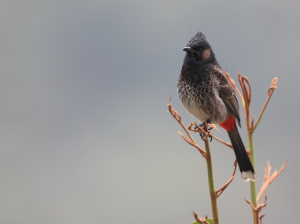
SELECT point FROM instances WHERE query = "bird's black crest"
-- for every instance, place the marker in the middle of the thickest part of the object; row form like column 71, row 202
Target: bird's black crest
column 199, row 40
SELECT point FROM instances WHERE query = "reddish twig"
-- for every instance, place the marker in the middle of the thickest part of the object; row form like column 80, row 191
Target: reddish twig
column 258, row 208
column 270, row 93
column 205, row 132
column 220, row 191
column 198, row 219
column 232, row 82
column 177, row 117
column 246, row 100
column 260, row 218
column 268, row 180
column 247, row 97
column 194, row 144
column 220, row 140
column 197, row 128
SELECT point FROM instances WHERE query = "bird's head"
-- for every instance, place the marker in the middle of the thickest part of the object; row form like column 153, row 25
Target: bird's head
column 199, row 51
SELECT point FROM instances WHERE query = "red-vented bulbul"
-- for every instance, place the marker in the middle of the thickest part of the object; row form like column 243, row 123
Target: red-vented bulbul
column 206, row 93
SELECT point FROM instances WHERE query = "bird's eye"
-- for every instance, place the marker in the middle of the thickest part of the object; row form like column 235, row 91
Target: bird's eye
column 198, row 48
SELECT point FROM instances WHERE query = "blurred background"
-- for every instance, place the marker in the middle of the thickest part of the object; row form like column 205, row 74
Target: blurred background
column 84, row 132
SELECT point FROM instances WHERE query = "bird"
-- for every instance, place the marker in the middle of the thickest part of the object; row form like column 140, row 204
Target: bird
column 206, row 93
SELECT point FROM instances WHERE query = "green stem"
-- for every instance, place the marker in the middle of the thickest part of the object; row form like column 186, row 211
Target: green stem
column 252, row 183
column 212, row 192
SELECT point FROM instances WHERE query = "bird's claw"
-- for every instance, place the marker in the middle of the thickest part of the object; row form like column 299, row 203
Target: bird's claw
column 204, row 123
column 206, row 136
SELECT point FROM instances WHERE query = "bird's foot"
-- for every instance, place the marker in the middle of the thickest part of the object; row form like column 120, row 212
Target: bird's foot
column 203, row 129
column 204, row 136
column 207, row 134
column 204, row 123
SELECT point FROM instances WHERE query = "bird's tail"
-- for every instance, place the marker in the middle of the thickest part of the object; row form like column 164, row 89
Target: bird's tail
column 243, row 160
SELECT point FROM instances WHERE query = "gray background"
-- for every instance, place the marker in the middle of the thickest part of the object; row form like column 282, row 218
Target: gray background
column 84, row 133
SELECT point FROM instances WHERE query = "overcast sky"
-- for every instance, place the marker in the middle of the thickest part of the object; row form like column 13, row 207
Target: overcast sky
column 84, row 87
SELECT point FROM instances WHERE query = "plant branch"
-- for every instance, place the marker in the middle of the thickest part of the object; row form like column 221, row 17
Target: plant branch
column 205, row 133
column 232, row 82
column 247, row 101
column 270, row 93
column 213, row 195
column 220, row 191
column 200, row 220
column 258, row 208
column 260, row 218
column 247, row 97
column 268, row 180
column 220, row 140
column 177, row 117
column 194, row 144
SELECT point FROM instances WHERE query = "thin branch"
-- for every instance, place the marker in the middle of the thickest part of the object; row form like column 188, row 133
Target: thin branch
column 260, row 218
column 220, row 191
column 194, row 144
column 232, row 82
column 268, row 180
column 177, row 117
column 247, row 97
column 196, row 129
column 198, row 219
column 201, row 130
column 246, row 92
column 270, row 93
column 258, row 208
column 220, row 140
column 213, row 126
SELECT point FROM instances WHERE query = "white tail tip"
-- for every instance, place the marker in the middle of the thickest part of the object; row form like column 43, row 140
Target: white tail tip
column 248, row 175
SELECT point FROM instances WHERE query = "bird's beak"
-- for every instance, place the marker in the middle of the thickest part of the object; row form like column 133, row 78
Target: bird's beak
column 187, row 49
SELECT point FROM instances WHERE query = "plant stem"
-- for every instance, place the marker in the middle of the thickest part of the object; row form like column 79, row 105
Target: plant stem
column 212, row 192
column 252, row 183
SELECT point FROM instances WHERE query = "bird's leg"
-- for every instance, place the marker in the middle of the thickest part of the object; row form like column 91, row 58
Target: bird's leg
column 201, row 135
column 203, row 124
column 209, row 128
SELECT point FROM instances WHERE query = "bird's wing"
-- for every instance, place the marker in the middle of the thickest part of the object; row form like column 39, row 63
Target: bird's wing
column 227, row 94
